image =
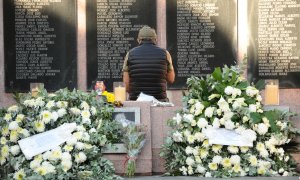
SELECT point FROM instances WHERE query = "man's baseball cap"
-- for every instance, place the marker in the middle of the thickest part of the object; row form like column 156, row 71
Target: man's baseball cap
column 147, row 32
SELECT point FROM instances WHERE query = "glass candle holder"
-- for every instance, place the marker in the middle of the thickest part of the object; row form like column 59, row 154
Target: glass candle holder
column 119, row 91
column 272, row 92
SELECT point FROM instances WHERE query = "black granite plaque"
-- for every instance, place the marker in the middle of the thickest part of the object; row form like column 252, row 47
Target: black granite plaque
column 112, row 28
column 201, row 35
column 274, row 44
column 40, row 44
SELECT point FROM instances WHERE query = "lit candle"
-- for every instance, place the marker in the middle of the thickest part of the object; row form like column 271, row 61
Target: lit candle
column 120, row 93
column 272, row 94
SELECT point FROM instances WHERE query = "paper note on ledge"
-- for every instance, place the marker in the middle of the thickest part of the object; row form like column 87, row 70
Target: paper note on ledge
column 224, row 136
column 45, row 141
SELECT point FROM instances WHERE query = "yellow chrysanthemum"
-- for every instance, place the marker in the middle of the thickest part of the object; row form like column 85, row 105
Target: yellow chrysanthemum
column 56, row 154
column 216, row 148
column 7, row 117
column 205, row 143
column 5, row 131
column 203, row 153
column 3, row 140
column 253, row 160
column 38, row 158
column 226, row 162
column 260, row 146
column 85, row 114
column 20, row 118
column 13, row 136
column 68, row 148
column 236, row 168
column 261, row 171
column 244, row 149
column 5, row 151
column 20, row 175
column 19, row 130
column 213, row 166
column 78, row 135
column 39, row 126
column 2, row 160
column 46, row 116
column 41, row 170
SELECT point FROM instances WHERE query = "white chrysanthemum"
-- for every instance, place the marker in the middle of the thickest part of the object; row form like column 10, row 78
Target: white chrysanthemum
column 75, row 111
column 61, row 112
column 46, row 116
column 208, row 174
column 235, row 159
column 186, row 133
column 199, row 107
column 199, row 136
column 190, row 170
column 15, row 150
column 7, row 117
column 177, row 118
column 258, row 98
column 188, row 118
column 198, row 159
column 93, row 110
column 5, row 151
column 183, row 170
column 66, row 165
column 202, row 123
column 79, row 145
column 78, row 135
column 39, row 126
column 66, row 156
column 55, row 154
column 13, row 125
column 195, row 151
column 223, row 105
column 251, row 91
column 240, row 129
column 190, row 161
column 39, row 102
column 233, row 149
column 84, row 105
column 253, row 160
column 50, row 104
column 213, row 166
column 68, row 148
column 238, row 103
column 20, row 174
column 54, row 116
column 262, row 129
column 228, row 115
column 229, row 124
column 62, row 104
column 216, row 148
column 46, row 155
column 217, row 159
column 25, row 133
column 34, row 164
column 228, row 90
column 264, row 153
column 216, row 123
column 92, row 130
column 13, row 109
column 177, row 137
column 252, row 108
column 236, row 92
column 85, row 114
column 209, row 112
column 203, row 153
column 200, row 169
column 191, row 139
column 192, row 101
column 3, row 140
column 189, row 150
column 261, row 170
column 260, row 146
column 285, row 173
column 244, row 149
column 86, row 136
column 49, row 167
column 20, row 118
column 80, row 157
column 14, row 136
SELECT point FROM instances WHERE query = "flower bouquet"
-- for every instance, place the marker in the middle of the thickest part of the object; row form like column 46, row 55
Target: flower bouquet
column 134, row 141
column 77, row 157
column 225, row 101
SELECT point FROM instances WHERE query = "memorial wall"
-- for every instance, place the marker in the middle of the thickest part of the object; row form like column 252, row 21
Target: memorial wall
column 40, row 44
column 112, row 29
column 201, row 35
column 274, row 51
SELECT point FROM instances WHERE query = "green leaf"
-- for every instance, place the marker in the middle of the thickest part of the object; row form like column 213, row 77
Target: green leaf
column 233, row 78
column 220, row 88
column 217, row 74
column 260, row 84
column 255, row 117
column 242, row 85
column 273, row 116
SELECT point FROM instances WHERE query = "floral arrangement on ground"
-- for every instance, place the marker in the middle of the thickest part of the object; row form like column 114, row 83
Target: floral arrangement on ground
column 79, row 157
column 224, row 100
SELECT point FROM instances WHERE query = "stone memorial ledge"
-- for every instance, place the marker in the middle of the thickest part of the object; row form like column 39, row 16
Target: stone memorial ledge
column 154, row 119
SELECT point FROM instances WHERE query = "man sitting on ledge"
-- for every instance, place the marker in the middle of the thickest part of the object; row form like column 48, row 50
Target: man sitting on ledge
column 147, row 68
